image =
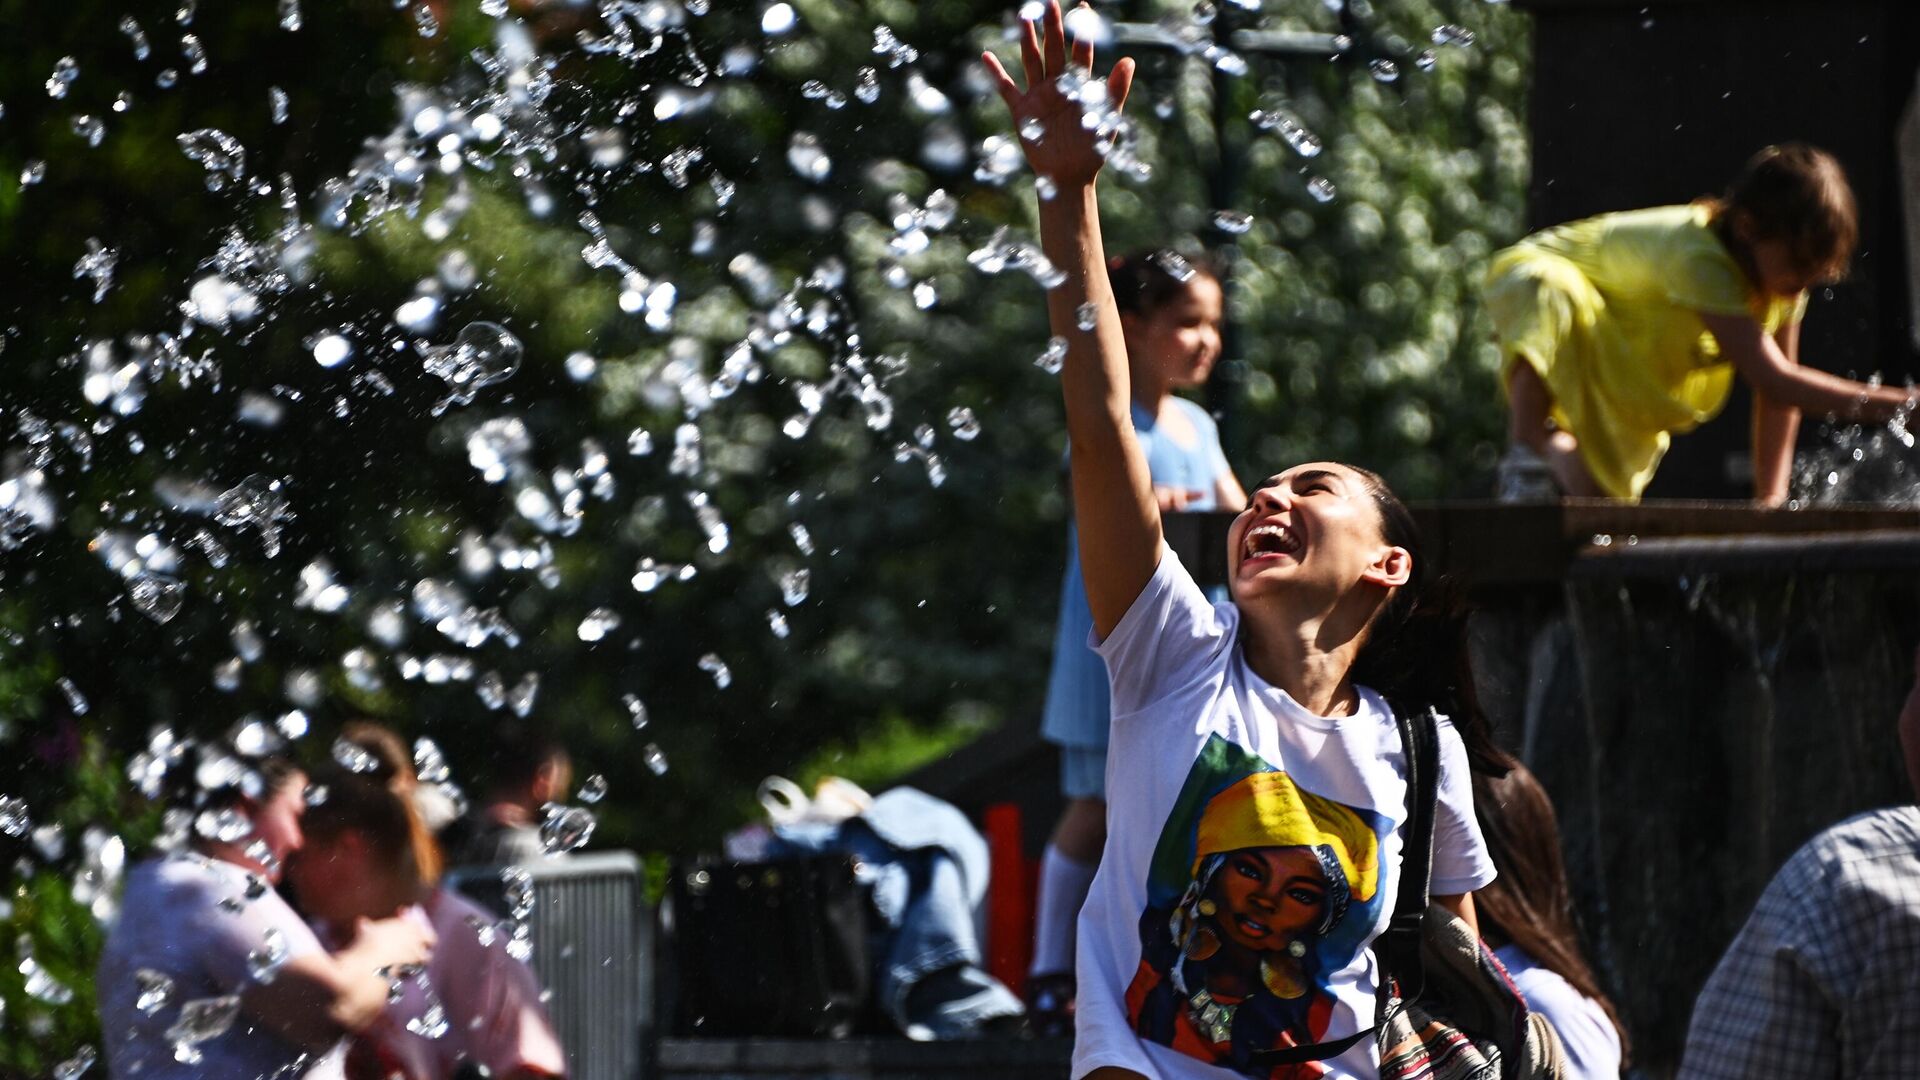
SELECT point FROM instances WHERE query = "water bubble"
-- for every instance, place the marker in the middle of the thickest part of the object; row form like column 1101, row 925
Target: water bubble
column 258, row 503
column 1321, row 189
column 482, row 354
column 716, row 667
column 655, row 760
column 1054, row 357
column 138, row 37
column 898, row 53
column 75, row 1066
column 808, row 158
column 794, row 585
column 90, row 128
column 195, row 54
column 778, row 19
column 566, row 828
column 1383, row 70
column 593, row 789
column 1086, row 316
column 517, row 890
column 264, row 963
column 157, row 596
column 290, row 15
column 13, row 816
column 155, row 990
column 219, row 153
column 598, row 624
column 277, row 104
column 199, row 1021
column 65, row 70
column 97, row 264
column 1176, row 265
column 353, row 757
column 1232, row 222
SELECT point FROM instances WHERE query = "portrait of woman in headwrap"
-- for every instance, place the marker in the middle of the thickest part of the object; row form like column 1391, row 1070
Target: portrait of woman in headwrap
column 1237, row 962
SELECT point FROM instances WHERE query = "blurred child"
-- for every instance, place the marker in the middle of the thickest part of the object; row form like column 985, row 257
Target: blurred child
column 1621, row 330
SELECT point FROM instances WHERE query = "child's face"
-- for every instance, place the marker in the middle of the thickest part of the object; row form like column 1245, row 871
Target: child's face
column 1779, row 273
column 1182, row 337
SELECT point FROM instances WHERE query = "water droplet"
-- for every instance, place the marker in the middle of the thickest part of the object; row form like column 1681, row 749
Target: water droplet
column 636, row 710
column 75, row 1066
column 157, row 596
column 13, row 816
column 965, row 427
column 777, row 623
column 808, row 158
column 655, row 759
column 1086, row 316
column 33, row 172
column 138, row 37
column 277, row 104
column 264, row 963
column 566, row 828
column 90, row 128
column 65, row 71
column 219, row 153
column 1383, row 70
column 1175, row 265
column 353, row 757
column 778, row 19
column 517, row 890
column 97, row 264
column 482, row 354
column 925, row 295
column 76, row 701
column 598, row 624
column 156, row 990
column 199, row 1021
column 593, row 789
column 424, row 22
column 42, row 986
column 331, row 350
column 290, row 15
column 794, row 585
column 195, row 54
column 866, row 86
column 1232, row 222
column 1449, row 34
column 1321, row 189
column 716, row 667
column 1054, row 357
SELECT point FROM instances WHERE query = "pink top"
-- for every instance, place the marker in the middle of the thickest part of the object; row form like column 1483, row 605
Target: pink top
column 493, row 1014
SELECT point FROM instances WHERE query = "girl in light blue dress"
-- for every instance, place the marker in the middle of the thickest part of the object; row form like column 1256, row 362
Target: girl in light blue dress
column 1170, row 309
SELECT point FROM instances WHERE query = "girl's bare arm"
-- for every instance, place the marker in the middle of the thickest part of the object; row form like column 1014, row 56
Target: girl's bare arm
column 1760, row 361
column 1113, row 497
column 1775, row 429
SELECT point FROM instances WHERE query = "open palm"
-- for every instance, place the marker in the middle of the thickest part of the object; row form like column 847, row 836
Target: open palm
column 1064, row 151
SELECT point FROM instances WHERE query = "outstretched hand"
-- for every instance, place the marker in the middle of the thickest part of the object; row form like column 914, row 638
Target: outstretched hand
column 1064, row 151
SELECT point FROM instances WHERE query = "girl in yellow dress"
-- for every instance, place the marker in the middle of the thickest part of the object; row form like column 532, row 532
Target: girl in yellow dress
column 1623, row 329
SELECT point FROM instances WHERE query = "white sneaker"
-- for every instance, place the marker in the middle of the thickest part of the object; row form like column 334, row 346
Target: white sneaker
column 1522, row 476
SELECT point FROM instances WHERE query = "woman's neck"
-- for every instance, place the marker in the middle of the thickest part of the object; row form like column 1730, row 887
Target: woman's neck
column 1311, row 658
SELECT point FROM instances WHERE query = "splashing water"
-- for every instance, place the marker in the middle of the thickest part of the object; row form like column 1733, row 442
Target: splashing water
column 1863, row 464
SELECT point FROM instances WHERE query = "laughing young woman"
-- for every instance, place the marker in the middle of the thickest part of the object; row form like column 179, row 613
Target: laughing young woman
column 1256, row 779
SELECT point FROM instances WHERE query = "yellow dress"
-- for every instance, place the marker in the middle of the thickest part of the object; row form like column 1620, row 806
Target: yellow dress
column 1607, row 310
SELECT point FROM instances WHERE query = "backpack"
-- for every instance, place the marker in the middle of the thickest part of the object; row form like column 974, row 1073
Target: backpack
column 1448, row 1009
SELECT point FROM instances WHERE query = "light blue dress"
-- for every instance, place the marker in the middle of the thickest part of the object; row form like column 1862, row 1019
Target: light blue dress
column 1076, row 716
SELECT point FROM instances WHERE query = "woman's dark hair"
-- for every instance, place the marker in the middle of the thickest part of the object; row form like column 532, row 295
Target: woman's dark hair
column 1415, row 654
column 1147, row 280
column 1796, row 195
column 1529, row 904
column 362, row 803
column 394, row 768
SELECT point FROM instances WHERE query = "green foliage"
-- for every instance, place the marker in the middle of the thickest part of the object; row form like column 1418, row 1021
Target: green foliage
column 929, row 615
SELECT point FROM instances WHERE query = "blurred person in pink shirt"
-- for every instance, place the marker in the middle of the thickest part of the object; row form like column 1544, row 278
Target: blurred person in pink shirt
column 360, row 857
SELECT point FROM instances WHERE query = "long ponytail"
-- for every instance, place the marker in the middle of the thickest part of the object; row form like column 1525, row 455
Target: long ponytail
column 1415, row 654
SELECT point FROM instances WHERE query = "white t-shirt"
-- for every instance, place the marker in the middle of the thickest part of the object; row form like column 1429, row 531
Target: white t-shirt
column 189, row 918
column 1252, row 854
column 1589, row 1038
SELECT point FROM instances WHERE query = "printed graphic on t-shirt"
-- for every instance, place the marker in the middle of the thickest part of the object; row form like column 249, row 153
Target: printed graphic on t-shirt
column 1259, row 894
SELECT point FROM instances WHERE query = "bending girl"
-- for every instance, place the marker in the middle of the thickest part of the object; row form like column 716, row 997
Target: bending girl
column 1625, row 329
column 1289, row 689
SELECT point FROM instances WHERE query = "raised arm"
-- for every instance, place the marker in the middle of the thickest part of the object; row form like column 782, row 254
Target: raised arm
column 1113, row 499
column 1759, row 360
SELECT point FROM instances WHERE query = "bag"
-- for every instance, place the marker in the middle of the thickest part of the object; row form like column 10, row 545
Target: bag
column 775, row 948
column 1448, row 1009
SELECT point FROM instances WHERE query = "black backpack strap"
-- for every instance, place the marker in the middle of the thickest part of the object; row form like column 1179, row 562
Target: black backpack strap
column 1399, row 946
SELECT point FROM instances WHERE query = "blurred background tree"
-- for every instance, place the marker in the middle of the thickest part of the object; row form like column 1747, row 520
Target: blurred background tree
column 744, row 156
